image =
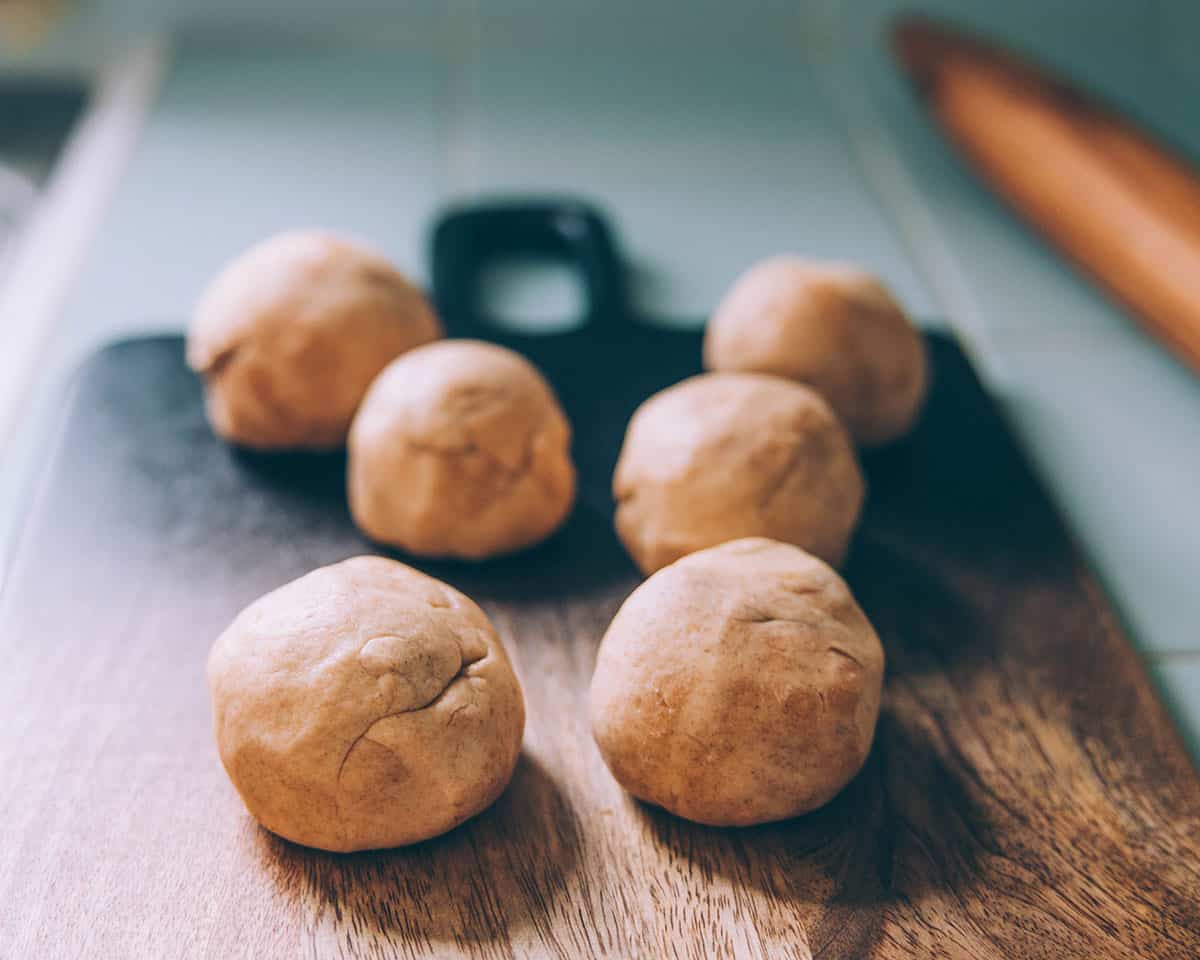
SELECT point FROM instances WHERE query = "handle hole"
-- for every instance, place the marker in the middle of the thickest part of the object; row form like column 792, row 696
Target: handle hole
column 530, row 294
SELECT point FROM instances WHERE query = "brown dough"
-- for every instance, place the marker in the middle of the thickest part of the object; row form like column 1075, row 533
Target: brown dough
column 832, row 326
column 365, row 705
column 728, row 455
column 737, row 686
column 289, row 336
column 460, row 449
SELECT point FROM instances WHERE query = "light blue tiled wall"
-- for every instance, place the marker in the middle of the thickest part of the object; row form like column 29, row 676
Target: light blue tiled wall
column 703, row 130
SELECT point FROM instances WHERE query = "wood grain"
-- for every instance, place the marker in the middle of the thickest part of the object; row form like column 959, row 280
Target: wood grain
column 1026, row 796
column 1122, row 205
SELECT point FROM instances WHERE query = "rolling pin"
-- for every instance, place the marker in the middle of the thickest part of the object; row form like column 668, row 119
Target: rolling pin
column 1123, row 206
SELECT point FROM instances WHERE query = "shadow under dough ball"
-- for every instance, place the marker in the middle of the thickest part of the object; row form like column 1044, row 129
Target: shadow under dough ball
column 739, row 685
column 460, row 449
column 290, row 334
column 365, row 705
column 728, row 455
column 832, row 326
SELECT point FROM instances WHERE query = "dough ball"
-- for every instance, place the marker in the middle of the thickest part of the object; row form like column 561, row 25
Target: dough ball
column 364, row 705
column 728, row 455
column 289, row 336
column 460, row 449
column 832, row 326
column 739, row 685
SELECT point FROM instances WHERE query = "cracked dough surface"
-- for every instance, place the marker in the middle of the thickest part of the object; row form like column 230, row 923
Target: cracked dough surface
column 740, row 685
column 460, row 449
column 832, row 326
column 365, row 705
column 727, row 455
column 290, row 334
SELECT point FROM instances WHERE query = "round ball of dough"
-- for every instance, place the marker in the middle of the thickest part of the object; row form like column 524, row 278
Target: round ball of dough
column 289, row 336
column 364, row 705
column 739, row 685
column 728, row 455
column 832, row 326
column 460, row 449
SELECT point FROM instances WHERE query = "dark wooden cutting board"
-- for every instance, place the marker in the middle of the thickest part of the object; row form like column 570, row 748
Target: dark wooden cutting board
column 1027, row 795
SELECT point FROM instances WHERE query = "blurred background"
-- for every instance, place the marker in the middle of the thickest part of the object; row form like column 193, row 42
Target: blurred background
column 145, row 142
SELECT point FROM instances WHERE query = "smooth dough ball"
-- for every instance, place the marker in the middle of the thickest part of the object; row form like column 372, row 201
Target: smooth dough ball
column 728, row 455
column 460, row 449
column 365, row 705
column 739, row 685
column 290, row 334
column 832, row 326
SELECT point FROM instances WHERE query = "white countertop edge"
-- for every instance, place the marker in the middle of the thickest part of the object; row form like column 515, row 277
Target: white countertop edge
column 51, row 247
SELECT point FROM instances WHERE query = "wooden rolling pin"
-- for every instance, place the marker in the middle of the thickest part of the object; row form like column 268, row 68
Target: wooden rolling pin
column 1124, row 207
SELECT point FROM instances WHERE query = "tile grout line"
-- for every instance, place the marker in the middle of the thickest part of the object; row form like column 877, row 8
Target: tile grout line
column 1172, row 656
column 456, row 106
column 895, row 189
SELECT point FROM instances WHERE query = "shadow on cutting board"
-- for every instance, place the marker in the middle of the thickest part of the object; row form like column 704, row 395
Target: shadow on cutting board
column 1019, row 746
column 433, row 893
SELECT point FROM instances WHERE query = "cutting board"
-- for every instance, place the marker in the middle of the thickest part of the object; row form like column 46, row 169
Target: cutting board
column 1026, row 796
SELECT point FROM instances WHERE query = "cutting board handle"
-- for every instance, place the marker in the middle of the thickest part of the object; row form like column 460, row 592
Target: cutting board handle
column 465, row 239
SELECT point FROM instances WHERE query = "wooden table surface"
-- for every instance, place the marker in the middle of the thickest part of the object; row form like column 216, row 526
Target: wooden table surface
column 1026, row 796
